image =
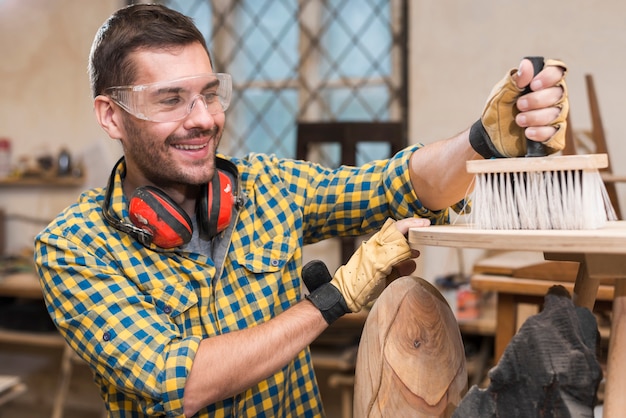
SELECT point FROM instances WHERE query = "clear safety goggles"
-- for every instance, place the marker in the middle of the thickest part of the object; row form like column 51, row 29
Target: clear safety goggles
column 173, row 100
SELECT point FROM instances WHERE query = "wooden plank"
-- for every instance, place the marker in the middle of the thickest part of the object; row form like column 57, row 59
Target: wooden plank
column 506, row 263
column 549, row 270
column 530, row 265
column 529, row 287
column 610, row 239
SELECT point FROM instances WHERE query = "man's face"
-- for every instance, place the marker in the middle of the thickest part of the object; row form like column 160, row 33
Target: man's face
column 169, row 153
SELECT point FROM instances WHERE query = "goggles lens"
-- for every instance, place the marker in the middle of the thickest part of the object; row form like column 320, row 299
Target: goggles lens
column 170, row 101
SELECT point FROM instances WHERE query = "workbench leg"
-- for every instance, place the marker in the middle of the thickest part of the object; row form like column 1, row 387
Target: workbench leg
column 585, row 288
column 506, row 323
column 64, row 383
column 345, row 383
column 614, row 400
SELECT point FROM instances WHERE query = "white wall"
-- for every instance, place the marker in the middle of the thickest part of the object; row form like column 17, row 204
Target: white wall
column 458, row 50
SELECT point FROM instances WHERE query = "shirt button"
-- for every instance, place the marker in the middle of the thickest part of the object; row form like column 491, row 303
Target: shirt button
column 106, row 336
column 274, row 263
column 167, row 309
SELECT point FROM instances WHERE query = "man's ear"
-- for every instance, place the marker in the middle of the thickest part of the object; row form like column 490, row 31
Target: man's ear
column 109, row 116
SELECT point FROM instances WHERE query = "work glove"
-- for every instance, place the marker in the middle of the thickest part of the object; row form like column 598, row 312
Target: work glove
column 361, row 279
column 497, row 135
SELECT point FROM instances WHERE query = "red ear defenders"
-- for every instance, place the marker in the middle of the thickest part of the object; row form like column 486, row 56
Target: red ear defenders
column 157, row 219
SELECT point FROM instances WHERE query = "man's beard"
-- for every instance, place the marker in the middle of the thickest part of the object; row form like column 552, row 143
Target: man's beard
column 154, row 162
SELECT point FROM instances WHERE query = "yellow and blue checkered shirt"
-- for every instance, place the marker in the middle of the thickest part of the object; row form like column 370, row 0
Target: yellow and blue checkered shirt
column 137, row 314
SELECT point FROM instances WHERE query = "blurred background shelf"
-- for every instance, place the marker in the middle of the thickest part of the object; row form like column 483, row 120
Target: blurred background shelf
column 42, row 181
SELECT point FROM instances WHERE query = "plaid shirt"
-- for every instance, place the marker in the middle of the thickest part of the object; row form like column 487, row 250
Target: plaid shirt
column 137, row 314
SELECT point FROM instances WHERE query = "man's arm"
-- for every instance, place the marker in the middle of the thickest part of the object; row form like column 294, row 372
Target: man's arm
column 228, row 364
column 438, row 170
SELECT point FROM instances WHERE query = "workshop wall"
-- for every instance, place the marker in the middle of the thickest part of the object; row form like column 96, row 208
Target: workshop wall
column 46, row 105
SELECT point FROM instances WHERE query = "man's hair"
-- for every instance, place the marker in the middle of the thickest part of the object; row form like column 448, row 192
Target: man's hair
column 133, row 28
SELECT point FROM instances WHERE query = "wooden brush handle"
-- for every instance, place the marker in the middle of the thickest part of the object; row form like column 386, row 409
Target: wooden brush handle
column 550, row 163
column 534, row 148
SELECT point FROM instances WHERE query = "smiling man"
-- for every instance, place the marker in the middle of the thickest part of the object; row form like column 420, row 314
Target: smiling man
column 180, row 282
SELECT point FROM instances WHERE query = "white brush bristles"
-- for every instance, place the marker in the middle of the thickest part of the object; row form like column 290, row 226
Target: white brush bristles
column 561, row 199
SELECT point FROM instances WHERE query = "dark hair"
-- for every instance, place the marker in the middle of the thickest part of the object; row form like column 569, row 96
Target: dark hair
column 140, row 26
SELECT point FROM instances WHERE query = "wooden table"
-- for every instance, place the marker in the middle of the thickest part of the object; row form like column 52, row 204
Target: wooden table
column 601, row 254
column 26, row 285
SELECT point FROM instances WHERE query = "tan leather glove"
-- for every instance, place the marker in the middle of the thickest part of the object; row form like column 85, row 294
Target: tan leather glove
column 497, row 135
column 362, row 278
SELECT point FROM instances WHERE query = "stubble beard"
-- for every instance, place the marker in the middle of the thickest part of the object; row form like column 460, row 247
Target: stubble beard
column 155, row 162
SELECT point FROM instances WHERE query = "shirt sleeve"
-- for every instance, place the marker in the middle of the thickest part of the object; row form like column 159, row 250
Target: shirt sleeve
column 356, row 200
column 130, row 338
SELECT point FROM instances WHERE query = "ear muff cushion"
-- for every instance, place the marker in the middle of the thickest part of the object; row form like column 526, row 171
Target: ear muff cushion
column 153, row 211
column 216, row 205
column 226, row 199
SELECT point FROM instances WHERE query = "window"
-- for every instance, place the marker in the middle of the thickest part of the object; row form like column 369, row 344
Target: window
column 304, row 60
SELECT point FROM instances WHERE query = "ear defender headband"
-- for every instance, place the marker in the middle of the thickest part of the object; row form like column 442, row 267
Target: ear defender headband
column 157, row 219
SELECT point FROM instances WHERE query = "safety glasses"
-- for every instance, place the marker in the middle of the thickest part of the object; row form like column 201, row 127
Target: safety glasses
column 173, row 100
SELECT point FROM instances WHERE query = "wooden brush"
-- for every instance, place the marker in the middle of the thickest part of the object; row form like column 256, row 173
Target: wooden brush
column 553, row 192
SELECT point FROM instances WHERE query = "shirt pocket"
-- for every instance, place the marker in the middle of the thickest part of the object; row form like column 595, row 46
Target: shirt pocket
column 271, row 255
column 137, row 332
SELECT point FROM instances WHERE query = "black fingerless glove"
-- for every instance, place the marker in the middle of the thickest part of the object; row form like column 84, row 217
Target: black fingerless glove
column 480, row 141
column 322, row 294
column 496, row 134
